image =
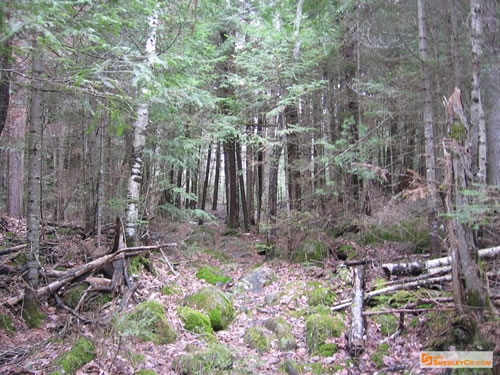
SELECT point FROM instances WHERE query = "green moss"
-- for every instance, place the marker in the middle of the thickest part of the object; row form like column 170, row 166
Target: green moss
column 327, row 350
column 398, row 299
column 20, row 260
column 387, row 322
column 6, row 323
column 136, row 264
column 168, row 290
column 378, row 357
column 212, row 275
column 319, row 328
column 257, row 338
column 215, row 304
column 147, row 322
column 321, row 296
column 202, row 236
column 194, row 321
column 211, row 361
column 82, row 352
column 345, row 275
column 145, row 372
column 310, row 250
column 346, row 251
column 135, row 358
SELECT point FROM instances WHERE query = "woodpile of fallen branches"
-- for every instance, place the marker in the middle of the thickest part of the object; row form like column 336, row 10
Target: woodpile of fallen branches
column 416, row 274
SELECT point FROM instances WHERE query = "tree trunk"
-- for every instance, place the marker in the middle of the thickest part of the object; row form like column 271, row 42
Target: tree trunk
column 178, row 198
column 232, row 200
column 250, row 184
column 5, row 66
column 356, row 342
column 217, row 177
column 244, row 206
column 31, row 305
column 136, row 161
column 100, row 178
column 492, row 90
column 16, row 128
column 469, row 290
column 454, row 44
column 205, row 182
column 430, row 159
column 478, row 122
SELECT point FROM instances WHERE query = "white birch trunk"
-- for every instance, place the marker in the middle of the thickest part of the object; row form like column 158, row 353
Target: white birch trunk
column 136, row 164
column 478, row 122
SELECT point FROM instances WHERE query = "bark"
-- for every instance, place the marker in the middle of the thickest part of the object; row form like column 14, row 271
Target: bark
column 244, row 206
column 356, row 342
column 232, row 199
column 16, row 128
column 478, row 122
column 430, row 159
column 136, row 162
column 217, row 178
column 5, row 66
column 492, row 90
column 250, row 184
column 205, row 182
column 260, row 171
column 469, row 289
column 178, row 198
column 273, row 191
column 100, row 181
column 34, row 181
column 454, row 44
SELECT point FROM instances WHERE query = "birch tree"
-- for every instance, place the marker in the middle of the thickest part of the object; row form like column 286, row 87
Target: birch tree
column 430, row 158
column 140, row 125
column 478, row 122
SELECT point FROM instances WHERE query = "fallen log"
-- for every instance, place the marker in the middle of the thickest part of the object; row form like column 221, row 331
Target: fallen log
column 356, row 343
column 417, row 268
column 434, row 280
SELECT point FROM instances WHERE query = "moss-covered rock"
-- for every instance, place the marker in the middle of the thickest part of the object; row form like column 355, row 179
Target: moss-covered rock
column 345, row 275
column 320, row 327
column 211, row 361
column 147, row 322
column 212, row 275
column 202, row 236
column 378, row 357
column 82, row 352
column 321, row 296
column 282, row 332
column 194, row 321
column 397, row 299
column 213, row 302
column 6, row 323
column 257, row 338
column 310, row 250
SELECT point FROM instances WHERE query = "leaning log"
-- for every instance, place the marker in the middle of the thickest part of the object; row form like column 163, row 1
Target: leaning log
column 417, row 268
column 356, row 343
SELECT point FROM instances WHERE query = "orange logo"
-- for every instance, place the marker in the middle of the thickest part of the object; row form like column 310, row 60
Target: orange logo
column 426, row 359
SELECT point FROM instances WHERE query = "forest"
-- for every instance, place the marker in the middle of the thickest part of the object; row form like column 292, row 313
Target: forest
column 248, row 186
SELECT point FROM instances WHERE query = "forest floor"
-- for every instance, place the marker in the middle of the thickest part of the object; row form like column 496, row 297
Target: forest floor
column 33, row 351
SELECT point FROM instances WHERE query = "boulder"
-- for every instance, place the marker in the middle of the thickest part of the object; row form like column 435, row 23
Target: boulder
column 255, row 281
column 319, row 328
column 214, row 303
column 147, row 321
column 310, row 250
column 214, row 360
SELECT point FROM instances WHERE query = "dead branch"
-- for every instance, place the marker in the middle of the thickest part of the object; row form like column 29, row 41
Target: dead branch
column 416, row 268
column 356, row 342
column 433, row 272
column 411, row 311
column 435, row 280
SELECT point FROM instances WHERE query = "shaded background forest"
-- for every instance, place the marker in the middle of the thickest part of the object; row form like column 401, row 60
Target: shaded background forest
column 271, row 110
